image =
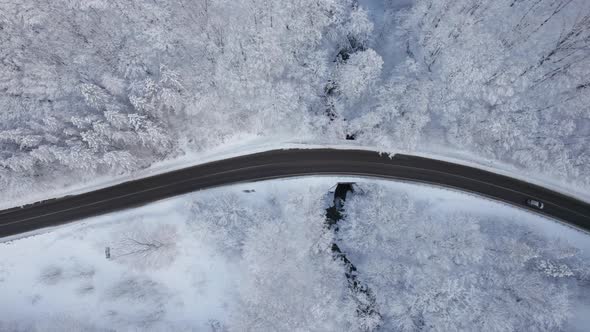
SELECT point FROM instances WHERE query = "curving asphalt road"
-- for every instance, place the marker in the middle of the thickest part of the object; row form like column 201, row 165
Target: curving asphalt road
column 290, row 163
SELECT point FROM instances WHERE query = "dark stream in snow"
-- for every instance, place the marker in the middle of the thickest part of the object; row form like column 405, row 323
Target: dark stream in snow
column 366, row 302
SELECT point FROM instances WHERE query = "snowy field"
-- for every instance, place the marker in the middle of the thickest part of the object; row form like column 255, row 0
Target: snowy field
column 256, row 257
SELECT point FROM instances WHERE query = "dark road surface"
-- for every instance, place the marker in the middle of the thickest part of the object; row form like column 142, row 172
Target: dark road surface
column 289, row 163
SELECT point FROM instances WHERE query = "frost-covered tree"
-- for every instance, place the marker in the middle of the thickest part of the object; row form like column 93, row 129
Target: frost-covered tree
column 400, row 113
column 290, row 280
column 144, row 246
column 505, row 80
column 359, row 73
column 108, row 87
column 226, row 220
column 448, row 271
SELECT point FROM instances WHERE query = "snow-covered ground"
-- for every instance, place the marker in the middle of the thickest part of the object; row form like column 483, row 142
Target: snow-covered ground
column 256, row 257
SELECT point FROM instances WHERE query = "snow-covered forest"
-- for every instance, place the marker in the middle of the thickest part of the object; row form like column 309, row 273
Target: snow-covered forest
column 261, row 257
column 95, row 89
column 102, row 88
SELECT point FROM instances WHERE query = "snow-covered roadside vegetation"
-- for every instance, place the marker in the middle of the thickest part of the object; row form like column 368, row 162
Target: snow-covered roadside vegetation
column 91, row 88
column 505, row 80
column 259, row 257
column 104, row 87
column 458, row 270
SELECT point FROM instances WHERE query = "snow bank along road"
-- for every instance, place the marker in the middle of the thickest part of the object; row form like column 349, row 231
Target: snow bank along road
column 289, row 163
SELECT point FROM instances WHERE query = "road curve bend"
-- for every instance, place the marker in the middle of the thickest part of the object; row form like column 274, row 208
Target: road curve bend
column 289, row 163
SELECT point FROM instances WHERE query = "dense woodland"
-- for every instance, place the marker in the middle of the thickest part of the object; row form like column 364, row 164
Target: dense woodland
column 455, row 270
column 100, row 88
column 97, row 87
column 105, row 87
column 507, row 80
